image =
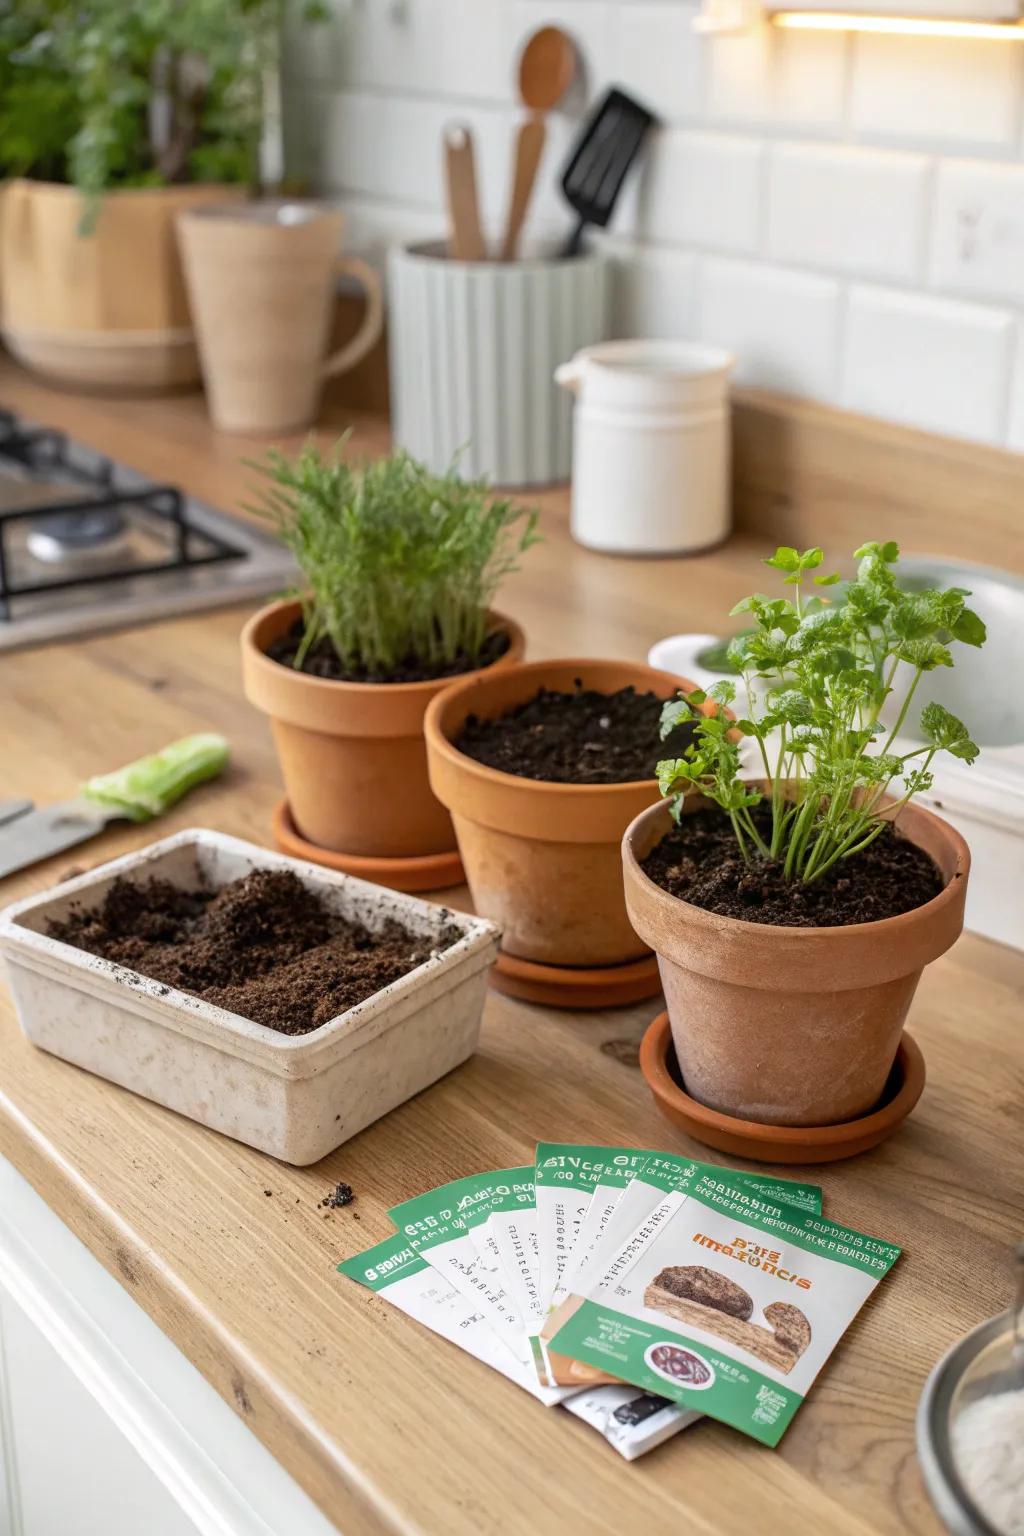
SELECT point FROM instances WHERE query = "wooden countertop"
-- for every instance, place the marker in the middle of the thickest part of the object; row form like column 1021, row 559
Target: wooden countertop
column 388, row 1428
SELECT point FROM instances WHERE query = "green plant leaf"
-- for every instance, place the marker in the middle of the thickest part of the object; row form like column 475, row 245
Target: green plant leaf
column 784, row 559
column 946, row 732
column 969, row 628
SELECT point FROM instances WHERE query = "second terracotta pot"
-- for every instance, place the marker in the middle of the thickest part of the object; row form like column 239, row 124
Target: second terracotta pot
column 542, row 859
column 790, row 1026
column 352, row 754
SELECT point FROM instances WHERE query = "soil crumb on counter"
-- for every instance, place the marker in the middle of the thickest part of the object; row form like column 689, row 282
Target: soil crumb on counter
column 340, row 1195
column 583, row 737
column 700, row 863
column 263, row 946
column 322, row 660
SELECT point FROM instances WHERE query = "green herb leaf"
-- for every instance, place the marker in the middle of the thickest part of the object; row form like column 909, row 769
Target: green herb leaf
column 946, row 732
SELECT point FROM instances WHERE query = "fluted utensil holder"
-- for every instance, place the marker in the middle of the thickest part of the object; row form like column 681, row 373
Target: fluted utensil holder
column 474, row 346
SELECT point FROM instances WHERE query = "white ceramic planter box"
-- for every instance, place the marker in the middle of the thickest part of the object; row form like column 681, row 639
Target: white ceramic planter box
column 294, row 1096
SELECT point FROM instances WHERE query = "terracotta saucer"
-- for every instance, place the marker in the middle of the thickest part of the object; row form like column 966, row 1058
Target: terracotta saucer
column 434, row 872
column 571, row 986
column 778, row 1143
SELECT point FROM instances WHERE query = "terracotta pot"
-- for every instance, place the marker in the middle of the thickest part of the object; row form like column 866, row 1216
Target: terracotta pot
column 541, row 859
column 790, row 1026
column 352, row 754
column 106, row 310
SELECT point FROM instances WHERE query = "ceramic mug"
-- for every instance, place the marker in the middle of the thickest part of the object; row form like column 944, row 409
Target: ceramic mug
column 261, row 283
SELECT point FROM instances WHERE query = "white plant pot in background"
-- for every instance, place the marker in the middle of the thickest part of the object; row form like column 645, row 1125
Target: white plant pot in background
column 473, row 351
column 651, row 439
column 294, row 1096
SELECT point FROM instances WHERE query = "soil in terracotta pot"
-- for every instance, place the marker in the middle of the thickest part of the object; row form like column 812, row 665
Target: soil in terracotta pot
column 700, row 863
column 263, row 947
column 322, row 660
column 583, row 737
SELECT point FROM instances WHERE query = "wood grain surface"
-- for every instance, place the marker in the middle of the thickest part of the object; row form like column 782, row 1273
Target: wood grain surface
column 388, row 1428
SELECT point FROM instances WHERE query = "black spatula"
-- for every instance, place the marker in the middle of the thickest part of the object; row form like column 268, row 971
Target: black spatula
column 604, row 152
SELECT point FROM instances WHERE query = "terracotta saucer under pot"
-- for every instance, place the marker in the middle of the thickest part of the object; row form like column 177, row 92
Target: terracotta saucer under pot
column 778, row 1143
column 576, row 986
column 428, row 872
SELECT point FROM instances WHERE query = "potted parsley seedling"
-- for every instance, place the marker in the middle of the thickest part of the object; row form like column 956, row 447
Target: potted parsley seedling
column 793, row 913
column 399, row 569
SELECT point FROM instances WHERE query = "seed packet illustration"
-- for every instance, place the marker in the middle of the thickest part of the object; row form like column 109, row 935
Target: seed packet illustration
column 727, row 1304
column 632, row 1422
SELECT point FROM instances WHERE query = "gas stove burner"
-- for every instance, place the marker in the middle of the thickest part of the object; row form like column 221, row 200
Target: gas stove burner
column 87, row 543
column 75, row 538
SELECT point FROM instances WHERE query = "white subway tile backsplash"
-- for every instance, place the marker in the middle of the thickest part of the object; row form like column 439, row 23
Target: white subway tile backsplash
column 783, row 326
column 928, row 362
column 941, row 90
column 654, row 292
column 788, row 166
column 702, row 189
column 658, row 57
column 853, row 210
column 776, row 78
column 978, row 230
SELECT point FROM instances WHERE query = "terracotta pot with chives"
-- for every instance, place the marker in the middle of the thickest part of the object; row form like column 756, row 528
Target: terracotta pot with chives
column 400, row 567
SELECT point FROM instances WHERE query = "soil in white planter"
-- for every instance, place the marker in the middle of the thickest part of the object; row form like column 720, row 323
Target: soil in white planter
column 263, row 946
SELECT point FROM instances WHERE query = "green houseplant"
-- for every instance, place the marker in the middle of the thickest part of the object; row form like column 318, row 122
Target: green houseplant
column 113, row 119
column 399, row 570
column 791, row 951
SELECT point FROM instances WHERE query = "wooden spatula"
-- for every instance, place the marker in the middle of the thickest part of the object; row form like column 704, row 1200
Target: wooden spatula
column 465, row 238
column 529, row 148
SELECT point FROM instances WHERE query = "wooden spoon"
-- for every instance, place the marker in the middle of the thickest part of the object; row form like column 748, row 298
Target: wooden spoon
column 546, row 69
column 465, row 238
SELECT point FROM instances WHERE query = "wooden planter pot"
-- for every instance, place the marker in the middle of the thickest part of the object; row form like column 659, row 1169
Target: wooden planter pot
column 106, row 310
column 790, row 1026
column 352, row 754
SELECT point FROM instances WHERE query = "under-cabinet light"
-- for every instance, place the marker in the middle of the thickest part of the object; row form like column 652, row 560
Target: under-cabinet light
column 907, row 26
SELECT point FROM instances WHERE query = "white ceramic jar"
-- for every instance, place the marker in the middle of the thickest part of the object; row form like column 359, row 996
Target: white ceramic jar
column 651, row 437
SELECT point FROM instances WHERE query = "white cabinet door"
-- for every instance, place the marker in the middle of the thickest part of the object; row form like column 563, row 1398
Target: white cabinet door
column 105, row 1428
column 71, row 1470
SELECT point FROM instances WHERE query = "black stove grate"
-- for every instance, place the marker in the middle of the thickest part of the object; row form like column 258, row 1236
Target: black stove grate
column 41, row 450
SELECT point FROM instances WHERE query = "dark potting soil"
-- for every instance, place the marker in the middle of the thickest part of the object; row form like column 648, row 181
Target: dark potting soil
column 341, row 1195
column 700, row 863
column 583, row 737
column 323, row 661
column 263, row 947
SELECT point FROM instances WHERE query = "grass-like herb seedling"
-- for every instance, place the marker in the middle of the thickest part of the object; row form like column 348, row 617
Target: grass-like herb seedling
column 835, row 772
column 398, row 562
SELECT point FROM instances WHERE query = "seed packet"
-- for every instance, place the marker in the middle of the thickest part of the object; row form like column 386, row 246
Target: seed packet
column 652, row 1192
column 568, row 1178
column 511, row 1233
column 631, row 1421
column 440, row 1226
column 742, row 1332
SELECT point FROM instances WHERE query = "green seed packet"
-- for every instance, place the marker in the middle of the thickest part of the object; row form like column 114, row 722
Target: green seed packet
column 722, row 1300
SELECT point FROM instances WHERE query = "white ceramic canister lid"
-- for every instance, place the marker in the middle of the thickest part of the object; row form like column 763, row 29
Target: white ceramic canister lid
column 649, row 375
